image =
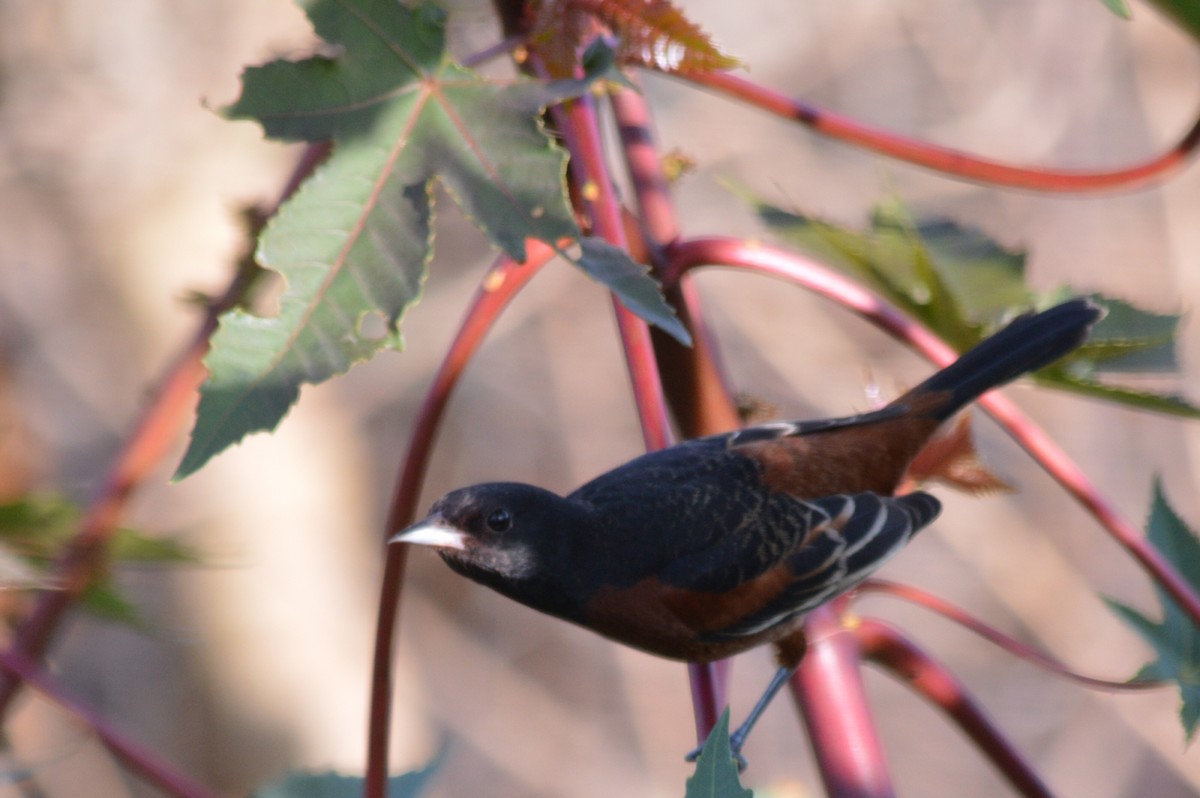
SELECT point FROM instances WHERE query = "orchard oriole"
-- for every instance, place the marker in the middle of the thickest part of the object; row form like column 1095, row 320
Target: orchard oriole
column 710, row 547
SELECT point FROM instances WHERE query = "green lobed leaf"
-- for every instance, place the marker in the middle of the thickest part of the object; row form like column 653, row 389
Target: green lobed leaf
column 1175, row 639
column 716, row 774
column 335, row 785
column 354, row 243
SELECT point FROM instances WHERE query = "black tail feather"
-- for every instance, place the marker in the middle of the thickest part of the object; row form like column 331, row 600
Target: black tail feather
column 1028, row 343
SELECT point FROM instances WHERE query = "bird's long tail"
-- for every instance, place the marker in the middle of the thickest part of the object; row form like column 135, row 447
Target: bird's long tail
column 1027, row 344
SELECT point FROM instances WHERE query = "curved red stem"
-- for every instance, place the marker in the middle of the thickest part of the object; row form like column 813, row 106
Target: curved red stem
column 885, row 646
column 829, row 689
column 950, row 161
column 499, row 286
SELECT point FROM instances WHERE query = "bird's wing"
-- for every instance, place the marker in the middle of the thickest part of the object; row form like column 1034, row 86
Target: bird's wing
column 849, row 537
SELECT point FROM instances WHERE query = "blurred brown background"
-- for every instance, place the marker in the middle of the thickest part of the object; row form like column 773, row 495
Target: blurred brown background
column 118, row 196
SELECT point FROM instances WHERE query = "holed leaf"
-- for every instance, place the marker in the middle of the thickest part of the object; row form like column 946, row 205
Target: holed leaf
column 353, row 244
column 1175, row 639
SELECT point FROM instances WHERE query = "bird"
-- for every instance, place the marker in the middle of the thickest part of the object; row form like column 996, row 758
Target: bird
column 716, row 545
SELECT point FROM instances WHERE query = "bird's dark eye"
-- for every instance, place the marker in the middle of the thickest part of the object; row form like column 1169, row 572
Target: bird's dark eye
column 499, row 520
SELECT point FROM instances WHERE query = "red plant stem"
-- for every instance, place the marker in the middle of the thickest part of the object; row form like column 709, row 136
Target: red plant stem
column 138, row 759
column 686, row 255
column 499, row 286
column 885, row 646
column 943, row 159
column 696, row 385
column 582, row 134
column 828, row 687
column 656, row 210
column 993, row 635
column 709, row 682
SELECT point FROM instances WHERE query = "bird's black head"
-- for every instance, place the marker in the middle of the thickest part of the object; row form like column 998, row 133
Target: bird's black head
column 512, row 537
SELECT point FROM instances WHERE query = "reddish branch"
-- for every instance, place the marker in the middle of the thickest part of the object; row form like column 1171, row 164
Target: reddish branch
column 828, row 688
column 499, row 286
column 138, row 759
column 995, row 636
column 949, row 161
column 887, row 647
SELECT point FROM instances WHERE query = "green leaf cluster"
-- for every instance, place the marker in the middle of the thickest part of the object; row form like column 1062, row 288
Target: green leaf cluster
column 962, row 285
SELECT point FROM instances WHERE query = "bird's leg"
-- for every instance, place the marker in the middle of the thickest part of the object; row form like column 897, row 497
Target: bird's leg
column 788, row 652
column 738, row 738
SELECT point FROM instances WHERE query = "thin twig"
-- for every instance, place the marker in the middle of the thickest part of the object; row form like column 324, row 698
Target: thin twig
column 137, row 758
column 946, row 160
column 993, row 635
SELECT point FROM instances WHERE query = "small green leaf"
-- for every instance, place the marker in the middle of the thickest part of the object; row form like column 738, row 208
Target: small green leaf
column 335, row 785
column 631, row 282
column 1119, row 7
column 1175, row 639
column 716, row 773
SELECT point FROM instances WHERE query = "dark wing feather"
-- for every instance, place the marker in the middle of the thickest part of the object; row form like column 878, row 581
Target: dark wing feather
column 861, row 533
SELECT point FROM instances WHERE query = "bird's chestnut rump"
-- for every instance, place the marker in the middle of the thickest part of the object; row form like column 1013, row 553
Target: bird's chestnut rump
column 719, row 544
